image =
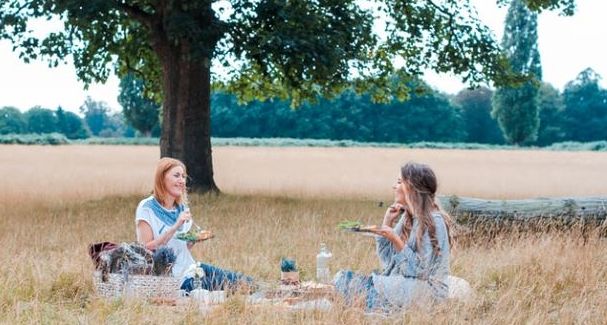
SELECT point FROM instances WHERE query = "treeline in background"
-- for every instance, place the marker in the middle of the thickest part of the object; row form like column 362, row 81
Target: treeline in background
column 579, row 113
column 97, row 120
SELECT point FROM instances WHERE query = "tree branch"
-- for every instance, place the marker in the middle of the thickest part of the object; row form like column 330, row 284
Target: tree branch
column 132, row 68
column 452, row 37
column 439, row 8
column 135, row 12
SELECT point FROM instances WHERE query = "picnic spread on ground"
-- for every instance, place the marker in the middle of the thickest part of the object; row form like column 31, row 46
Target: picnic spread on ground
column 127, row 270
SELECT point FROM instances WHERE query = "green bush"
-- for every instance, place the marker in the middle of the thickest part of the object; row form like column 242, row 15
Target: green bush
column 39, row 139
column 579, row 146
column 287, row 142
column 119, row 141
column 56, row 139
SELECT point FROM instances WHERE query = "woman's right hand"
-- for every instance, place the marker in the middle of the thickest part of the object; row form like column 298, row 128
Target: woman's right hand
column 184, row 217
column 392, row 213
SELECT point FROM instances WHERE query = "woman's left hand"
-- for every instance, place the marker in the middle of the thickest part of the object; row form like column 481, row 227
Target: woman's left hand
column 384, row 231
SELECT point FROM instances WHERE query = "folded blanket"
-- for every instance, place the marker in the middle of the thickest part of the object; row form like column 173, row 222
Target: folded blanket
column 96, row 249
column 109, row 257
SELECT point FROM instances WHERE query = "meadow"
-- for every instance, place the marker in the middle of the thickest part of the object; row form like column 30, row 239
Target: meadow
column 277, row 202
column 78, row 172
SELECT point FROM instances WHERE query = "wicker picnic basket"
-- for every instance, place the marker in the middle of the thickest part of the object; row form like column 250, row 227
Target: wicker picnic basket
column 143, row 286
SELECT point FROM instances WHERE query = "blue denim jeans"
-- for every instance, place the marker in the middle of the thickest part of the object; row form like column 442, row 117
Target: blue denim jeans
column 351, row 285
column 216, row 279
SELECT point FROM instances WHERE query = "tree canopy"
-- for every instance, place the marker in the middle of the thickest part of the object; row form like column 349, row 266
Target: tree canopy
column 585, row 112
column 476, row 109
column 41, row 120
column 70, row 124
column 12, row 121
column 295, row 49
column 551, row 116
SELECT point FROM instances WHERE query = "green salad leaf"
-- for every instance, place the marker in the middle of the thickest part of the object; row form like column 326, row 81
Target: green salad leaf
column 191, row 235
column 349, row 224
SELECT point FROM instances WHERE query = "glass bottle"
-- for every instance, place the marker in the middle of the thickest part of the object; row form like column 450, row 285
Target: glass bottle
column 323, row 273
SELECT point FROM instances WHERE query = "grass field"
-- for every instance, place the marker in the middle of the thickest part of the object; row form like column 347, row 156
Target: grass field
column 59, row 173
column 57, row 200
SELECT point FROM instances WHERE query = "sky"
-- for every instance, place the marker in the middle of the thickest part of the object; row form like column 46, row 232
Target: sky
column 567, row 46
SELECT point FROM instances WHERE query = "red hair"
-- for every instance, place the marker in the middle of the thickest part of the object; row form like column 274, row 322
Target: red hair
column 160, row 191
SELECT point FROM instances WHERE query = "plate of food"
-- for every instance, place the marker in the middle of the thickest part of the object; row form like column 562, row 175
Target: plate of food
column 358, row 227
column 194, row 235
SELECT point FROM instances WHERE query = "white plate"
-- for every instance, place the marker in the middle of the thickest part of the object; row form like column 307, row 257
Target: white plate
column 368, row 234
column 364, row 233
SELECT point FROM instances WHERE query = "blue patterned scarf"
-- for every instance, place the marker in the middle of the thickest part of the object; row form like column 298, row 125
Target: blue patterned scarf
column 167, row 217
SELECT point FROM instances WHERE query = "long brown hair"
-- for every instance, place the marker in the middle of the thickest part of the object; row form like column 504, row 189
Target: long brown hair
column 421, row 184
column 160, row 191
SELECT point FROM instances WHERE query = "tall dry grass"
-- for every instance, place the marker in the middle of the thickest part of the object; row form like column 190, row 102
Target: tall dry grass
column 45, row 273
column 54, row 201
column 47, row 173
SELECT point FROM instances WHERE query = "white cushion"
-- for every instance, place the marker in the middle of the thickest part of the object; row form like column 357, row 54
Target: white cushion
column 459, row 288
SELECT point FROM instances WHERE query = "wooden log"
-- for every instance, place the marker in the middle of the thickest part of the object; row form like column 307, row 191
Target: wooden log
column 535, row 214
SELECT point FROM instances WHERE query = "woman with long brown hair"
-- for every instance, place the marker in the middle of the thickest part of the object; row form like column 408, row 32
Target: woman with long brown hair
column 413, row 250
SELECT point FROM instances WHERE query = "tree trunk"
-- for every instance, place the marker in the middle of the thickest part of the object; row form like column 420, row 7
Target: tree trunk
column 538, row 214
column 186, row 112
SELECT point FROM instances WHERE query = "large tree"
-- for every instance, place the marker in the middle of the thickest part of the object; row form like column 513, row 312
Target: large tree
column 96, row 115
column 70, row 124
column 585, row 107
column 285, row 48
column 552, row 128
column 12, row 121
column 476, row 107
column 516, row 108
column 41, row 120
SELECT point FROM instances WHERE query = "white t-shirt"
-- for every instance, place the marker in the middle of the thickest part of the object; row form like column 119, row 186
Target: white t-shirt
column 183, row 256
